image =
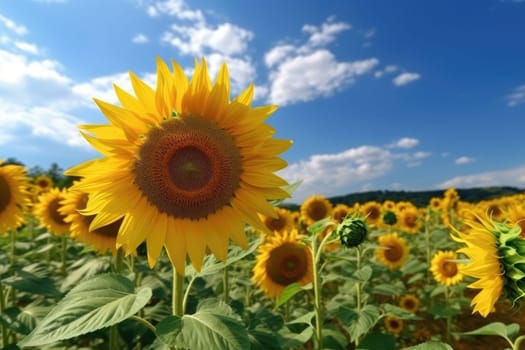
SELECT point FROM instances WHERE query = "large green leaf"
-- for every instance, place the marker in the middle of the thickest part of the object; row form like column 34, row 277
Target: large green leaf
column 213, row 326
column 366, row 320
column 94, row 304
column 497, row 328
column 430, row 345
column 289, row 292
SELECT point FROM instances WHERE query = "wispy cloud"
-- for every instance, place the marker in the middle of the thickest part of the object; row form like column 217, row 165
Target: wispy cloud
column 405, row 78
column 464, row 160
column 140, row 39
column 11, row 25
column 509, row 177
column 27, row 47
column 387, row 70
column 300, row 73
column 349, row 170
column 175, row 8
column 517, row 96
column 404, row 142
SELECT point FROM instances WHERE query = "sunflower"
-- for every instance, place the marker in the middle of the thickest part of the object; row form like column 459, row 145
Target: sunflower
column 47, row 211
column 184, row 167
column 389, row 205
column 102, row 239
column 409, row 221
column 282, row 220
column 315, row 208
column 393, row 250
column 43, row 183
column 436, row 203
column 13, row 196
column 393, row 324
column 409, row 302
column 497, row 260
column 445, row 269
column 372, row 211
column 282, row 260
column 340, row 212
column 516, row 215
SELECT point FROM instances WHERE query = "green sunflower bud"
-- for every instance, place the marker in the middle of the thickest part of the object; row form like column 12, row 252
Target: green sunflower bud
column 352, row 231
column 389, row 218
column 511, row 247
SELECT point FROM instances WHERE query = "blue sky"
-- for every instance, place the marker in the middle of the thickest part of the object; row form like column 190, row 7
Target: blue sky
column 397, row 95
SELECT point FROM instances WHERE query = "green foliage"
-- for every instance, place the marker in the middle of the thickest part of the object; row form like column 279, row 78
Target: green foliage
column 431, row 345
column 94, row 304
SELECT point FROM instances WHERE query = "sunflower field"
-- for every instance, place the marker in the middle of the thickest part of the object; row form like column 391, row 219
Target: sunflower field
column 178, row 238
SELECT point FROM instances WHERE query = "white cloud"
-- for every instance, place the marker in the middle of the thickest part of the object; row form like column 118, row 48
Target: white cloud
column 405, row 78
column 306, row 77
column 11, row 25
column 510, row 177
column 387, row 70
column 300, row 73
column 15, row 68
column 517, row 97
column 464, row 160
column 175, row 8
column 370, row 33
column 325, row 34
column 27, row 47
column 405, row 142
column 140, row 39
column 330, row 174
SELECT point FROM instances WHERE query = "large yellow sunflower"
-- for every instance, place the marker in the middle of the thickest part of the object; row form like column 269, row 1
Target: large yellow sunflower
column 481, row 240
column 14, row 197
column 445, row 269
column 102, row 239
column 409, row 221
column 184, row 167
column 282, row 260
column 372, row 211
column 47, row 211
column 315, row 208
column 393, row 250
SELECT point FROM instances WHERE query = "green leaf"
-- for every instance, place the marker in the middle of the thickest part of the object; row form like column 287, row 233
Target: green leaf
column 306, row 318
column 94, row 304
column 88, row 267
column 28, row 282
column 497, row 328
column 430, row 345
column 378, row 341
column 366, row 320
column 294, row 340
column 288, row 293
column 334, row 339
column 364, row 273
column 319, row 226
column 399, row 312
column 204, row 329
column 413, row 266
column 262, row 339
column 396, row 288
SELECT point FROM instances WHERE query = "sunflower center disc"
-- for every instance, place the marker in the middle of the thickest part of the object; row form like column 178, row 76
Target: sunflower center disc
column 5, row 193
column 188, row 168
column 287, row 264
column 393, row 253
column 317, row 211
column 54, row 213
column 449, row 268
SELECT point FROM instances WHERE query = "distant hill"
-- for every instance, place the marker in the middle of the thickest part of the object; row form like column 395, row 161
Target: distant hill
column 419, row 198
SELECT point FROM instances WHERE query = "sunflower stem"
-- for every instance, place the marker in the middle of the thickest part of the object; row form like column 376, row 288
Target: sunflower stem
column 517, row 342
column 177, row 298
column 225, row 282
column 145, row 323
column 358, row 287
column 316, row 252
column 113, row 330
column 12, row 235
column 449, row 318
column 63, row 255
column 119, row 260
column 427, row 242
column 187, row 293
column 2, row 308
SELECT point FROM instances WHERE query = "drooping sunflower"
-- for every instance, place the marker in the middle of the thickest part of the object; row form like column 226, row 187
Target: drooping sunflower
column 282, row 220
column 393, row 324
column 184, row 167
column 102, row 239
column 43, row 183
column 14, row 197
column 315, row 208
column 47, row 211
column 409, row 302
column 497, row 260
column 282, row 260
column 393, row 250
column 516, row 214
column 445, row 269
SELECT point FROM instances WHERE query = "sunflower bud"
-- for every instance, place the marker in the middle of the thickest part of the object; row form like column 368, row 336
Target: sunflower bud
column 389, row 218
column 352, row 231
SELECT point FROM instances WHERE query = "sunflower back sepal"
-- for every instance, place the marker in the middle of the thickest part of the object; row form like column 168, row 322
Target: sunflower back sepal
column 352, row 231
